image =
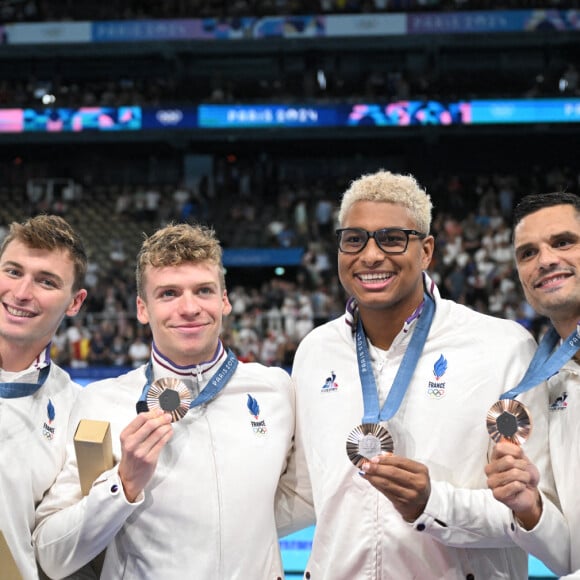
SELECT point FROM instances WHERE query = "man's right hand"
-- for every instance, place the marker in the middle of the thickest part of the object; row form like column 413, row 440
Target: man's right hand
column 514, row 481
column 141, row 443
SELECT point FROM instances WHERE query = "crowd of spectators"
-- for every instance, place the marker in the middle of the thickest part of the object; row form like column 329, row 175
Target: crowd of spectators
column 174, row 81
column 384, row 84
column 473, row 262
column 256, row 204
column 55, row 10
column 301, row 88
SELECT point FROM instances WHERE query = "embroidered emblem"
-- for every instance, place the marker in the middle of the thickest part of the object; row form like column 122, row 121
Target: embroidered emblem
column 560, row 403
column 258, row 426
column 329, row 384
column 47, row 430
column 436, row 388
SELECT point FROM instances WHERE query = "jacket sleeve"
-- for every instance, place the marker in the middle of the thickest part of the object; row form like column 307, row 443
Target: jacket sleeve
column 474, row 518
column 294, row 506
column 469, row 518
column 71, row 530
column 540, row 540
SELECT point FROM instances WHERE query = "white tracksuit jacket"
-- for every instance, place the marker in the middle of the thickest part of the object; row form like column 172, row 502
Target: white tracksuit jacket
column 564, row 417
column 33, row 436
column 464, row 533
column 208, row 512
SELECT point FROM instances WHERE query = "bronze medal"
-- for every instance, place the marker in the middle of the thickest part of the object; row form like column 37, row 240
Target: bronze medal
column 171, row 395
column 509, row 420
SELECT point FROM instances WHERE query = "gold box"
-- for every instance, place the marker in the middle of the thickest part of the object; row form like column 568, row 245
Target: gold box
column 94, row 451
column 8, row 568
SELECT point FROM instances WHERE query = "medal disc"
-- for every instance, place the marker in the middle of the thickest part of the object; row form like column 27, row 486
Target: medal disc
column 366, row 441
column 509, row 420
column 171, row 395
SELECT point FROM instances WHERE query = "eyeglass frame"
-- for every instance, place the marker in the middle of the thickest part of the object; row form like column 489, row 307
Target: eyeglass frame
column 408, row 233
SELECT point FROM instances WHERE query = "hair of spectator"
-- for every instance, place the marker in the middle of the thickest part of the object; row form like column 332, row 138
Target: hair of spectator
column 177, row 244
column 384, row 186
column 51, row 232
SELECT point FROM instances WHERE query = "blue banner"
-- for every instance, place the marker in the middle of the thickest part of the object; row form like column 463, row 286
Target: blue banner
column 262, row 257
column 280, row 116
column 240, row 116
column 524, row 111
column 170, row 118
column 492, row 21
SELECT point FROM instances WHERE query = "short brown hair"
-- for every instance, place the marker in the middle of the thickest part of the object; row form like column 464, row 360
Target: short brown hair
column 177, row 244
column 51, row 232
column 536, row 201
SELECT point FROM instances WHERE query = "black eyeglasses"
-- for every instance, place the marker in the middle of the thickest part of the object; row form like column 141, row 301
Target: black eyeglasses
column 390, row 240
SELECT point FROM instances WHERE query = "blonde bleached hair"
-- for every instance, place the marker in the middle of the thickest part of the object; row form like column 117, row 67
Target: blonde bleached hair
column 384, row 186
column 52, row 233
column 177, row 244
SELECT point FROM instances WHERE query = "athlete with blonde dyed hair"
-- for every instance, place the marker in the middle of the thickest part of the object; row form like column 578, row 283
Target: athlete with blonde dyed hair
column 403, row 190
column 42, row 270
column 391, row 406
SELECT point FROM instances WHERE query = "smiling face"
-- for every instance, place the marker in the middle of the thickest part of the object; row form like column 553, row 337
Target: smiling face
column 36, row 292
column 380, row 282
column 184, row 306
column 547, row 251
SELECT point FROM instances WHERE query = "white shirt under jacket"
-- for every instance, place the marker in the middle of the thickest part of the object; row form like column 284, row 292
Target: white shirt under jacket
column 464, row 532
column 208, row 511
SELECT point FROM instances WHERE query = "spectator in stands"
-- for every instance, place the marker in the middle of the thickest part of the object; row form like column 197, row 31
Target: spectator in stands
column 119, row 351
column 270, row 349
column 547, row 252
column 117, row 254
column 59, row 350
column 139, row 351
column 42, row 271
column 124, row 202
column 324, row 222
column 98, row 354
column 152, row 198
column 78, row 336
column 237, row 421
column 403, row 358
column 304, row 317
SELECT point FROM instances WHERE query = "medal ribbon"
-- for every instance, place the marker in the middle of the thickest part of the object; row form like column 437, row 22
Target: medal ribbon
column 546, row 363
column 372, row 414
column 16, row 390
column 217, row 382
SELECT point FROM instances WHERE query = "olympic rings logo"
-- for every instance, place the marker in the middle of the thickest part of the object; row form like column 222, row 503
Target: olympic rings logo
column 260, row 430
column 435, row 392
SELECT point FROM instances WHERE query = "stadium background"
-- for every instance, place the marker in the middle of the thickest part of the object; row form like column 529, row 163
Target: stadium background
column 253, row 117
